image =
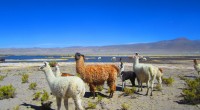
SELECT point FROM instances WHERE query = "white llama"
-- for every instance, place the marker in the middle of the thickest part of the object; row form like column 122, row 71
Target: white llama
column 145, row 73
column 64, row 87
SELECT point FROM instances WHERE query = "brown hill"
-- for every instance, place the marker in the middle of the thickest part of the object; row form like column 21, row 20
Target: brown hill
column 176, row 46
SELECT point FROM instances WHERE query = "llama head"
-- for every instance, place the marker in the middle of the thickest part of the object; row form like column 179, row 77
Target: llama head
column 78, row 56
column 195, row 61
column 43, row 67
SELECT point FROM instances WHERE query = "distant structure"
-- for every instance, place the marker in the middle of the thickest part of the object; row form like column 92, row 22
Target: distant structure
column 2, row 60
column 113, row 59
column 99, row 58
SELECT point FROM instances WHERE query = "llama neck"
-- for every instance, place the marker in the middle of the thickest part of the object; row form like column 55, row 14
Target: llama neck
column 49, row 75
column 121, row 67
column 136, row 60
column 80, row 67
column 58, row 73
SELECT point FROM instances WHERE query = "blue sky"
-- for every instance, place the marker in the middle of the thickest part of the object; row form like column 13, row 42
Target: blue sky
column 56, row 23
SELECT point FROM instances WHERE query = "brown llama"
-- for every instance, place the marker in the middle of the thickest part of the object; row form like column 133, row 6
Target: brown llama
column 96, row 75
column 59, row 73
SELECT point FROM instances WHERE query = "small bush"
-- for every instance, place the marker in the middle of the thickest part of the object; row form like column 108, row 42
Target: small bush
column 7, row 92
column 52, row 63
column 99, row 98
column 168, row 81
column 158, row 87
column 16, row 107
column 108, row 90
column 125, row 106
column 45, row 96
column 91, row 105
column 2, row 77
column 192, row 92
column 99, row 88
column 25, row 78
column 128, row 91
column 32, row 86
column 37, row 95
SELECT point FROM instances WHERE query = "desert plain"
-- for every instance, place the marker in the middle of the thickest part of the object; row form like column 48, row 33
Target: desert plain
column 169, row 98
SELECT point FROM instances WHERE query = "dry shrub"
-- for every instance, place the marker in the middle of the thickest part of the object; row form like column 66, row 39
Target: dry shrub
column 192, row 92
column 32, row 86
column 128, row 91
column 52, row 63
column 91, row 105
column 2, row 77
column 7, row 92
column 125, row 106
column 25, row 78
column 168, row 81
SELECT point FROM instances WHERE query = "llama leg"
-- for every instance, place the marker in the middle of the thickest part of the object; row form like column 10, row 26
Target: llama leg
column 147, row 87
column 152, row 83
column 112, row 89
column 66, row 103
column 133, row 82
column 123, row 85
column 77, row 101
column 58, row 100
column 151, row 87
column 112, row 86
column 92, row 90
column 141, row 86
column 138, row 85
column 160, row 82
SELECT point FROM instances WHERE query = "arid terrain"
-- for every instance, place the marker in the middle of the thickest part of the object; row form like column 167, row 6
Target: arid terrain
column 167, row 99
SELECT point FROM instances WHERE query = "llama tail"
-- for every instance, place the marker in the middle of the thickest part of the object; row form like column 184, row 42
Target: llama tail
column 116, row 68
column 161, row 70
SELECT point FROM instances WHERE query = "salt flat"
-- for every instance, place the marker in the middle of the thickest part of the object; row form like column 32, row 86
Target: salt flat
column 169, row 98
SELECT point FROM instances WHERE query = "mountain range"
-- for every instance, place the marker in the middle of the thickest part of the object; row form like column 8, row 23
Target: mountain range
column 180, row 46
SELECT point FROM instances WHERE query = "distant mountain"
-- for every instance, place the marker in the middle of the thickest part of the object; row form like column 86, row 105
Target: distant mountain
column 176, row 46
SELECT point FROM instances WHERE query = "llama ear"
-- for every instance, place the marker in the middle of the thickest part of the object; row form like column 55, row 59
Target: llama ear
column 45, row 63
column 83, row 57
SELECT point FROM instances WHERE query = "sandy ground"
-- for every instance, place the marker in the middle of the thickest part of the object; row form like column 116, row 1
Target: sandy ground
column 168, row 99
